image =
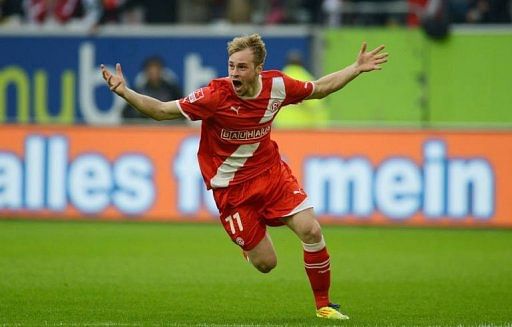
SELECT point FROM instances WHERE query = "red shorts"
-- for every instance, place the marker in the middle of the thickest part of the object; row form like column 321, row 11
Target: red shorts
column 247, row 208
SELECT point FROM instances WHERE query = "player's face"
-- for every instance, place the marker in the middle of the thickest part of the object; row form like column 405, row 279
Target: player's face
column 244, row 73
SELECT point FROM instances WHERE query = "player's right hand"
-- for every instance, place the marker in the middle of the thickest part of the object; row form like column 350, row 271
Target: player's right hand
column 116, row 81
column 371, row 60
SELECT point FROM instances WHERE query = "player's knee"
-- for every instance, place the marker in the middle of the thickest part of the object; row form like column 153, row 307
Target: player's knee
column 313, row 233
column 265, row 266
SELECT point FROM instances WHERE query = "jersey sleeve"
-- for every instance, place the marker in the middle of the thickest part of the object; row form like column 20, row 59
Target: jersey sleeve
column 296, row 90
column 200, row 104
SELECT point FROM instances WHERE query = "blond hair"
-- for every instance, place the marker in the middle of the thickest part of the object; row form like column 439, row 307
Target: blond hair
column 253, row 42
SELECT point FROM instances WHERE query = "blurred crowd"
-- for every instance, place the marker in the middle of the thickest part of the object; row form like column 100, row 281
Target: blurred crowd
column 88, row 14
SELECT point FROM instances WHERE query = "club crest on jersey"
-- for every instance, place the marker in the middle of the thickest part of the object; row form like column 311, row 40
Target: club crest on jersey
column 275, row 105
column 240, row 241
column 195, row 96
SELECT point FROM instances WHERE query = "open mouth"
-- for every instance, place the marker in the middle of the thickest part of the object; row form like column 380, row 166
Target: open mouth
column 237, row 84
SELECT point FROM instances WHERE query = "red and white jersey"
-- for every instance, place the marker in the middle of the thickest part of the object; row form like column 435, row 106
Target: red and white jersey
column 235, row 132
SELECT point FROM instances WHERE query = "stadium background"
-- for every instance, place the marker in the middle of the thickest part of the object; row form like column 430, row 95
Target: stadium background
column 426, row 142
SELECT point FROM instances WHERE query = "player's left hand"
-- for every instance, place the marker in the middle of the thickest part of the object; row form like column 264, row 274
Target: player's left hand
column 371, row 60
column 115, row 82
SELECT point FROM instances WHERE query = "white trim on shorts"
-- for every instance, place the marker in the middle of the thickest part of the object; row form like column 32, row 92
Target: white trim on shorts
column 301, row 207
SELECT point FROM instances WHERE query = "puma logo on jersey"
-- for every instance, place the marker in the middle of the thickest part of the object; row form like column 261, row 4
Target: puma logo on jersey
column 298, row 192
column 235, row 108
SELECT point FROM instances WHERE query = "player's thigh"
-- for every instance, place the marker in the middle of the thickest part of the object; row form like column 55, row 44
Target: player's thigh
column 305, row 225
column 243, row 226
column 263, row 255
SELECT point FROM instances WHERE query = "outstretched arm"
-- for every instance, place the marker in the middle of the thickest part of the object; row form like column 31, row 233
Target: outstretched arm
column 149, row 106
column 366, row 62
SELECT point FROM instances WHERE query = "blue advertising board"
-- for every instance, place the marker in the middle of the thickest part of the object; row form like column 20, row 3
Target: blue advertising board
column 56, row 79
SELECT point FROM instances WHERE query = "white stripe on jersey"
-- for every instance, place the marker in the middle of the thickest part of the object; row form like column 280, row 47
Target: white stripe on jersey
column 226, row 172
column 181, row 109
column 277, row 96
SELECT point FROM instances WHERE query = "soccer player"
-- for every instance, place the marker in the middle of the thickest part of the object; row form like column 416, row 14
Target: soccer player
column 252, row 186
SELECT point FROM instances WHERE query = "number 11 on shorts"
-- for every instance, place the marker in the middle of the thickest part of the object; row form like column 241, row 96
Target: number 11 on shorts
column 235, row 216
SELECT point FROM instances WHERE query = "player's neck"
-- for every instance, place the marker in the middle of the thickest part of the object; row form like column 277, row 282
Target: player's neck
column 254, row 90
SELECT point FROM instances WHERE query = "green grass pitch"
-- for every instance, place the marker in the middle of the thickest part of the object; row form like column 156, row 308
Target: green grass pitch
column 109, row 274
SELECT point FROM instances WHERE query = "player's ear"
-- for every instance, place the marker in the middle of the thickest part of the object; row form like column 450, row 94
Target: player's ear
column 259, row 68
